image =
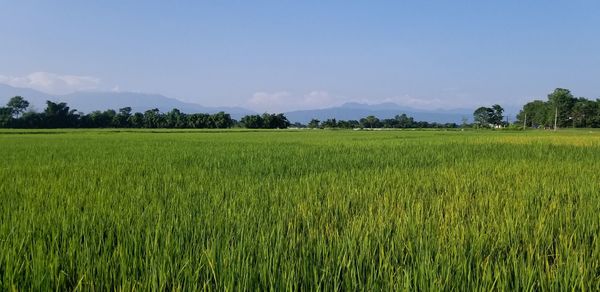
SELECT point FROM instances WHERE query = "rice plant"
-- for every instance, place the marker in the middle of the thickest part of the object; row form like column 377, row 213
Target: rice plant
column 299, row 210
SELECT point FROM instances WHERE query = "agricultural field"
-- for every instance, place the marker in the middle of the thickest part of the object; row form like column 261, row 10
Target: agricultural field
column 291, row 210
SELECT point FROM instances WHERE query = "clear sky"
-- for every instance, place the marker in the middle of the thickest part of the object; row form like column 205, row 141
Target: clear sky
column 285, row 55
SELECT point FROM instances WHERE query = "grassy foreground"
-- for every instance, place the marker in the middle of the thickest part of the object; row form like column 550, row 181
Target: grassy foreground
column 310, row 210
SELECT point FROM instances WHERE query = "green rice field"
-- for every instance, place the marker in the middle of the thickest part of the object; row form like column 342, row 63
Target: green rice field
column 299, row 210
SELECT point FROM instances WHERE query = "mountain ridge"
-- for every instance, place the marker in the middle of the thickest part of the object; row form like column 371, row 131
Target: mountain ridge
column 102, row 100
column 88, row 101
column 356, row 112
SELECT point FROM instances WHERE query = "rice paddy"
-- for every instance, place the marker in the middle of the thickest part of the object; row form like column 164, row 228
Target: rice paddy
column 299, row 210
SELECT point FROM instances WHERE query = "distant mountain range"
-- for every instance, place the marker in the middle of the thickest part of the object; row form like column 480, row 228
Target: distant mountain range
column 90, row 101
column 356, row 111
column 140, row 102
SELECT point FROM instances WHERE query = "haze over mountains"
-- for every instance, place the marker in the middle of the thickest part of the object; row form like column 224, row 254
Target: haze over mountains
column 139, row 102
column 356, row 111
column 102, row 100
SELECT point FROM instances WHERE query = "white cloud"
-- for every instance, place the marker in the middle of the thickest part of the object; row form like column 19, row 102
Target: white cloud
column 265, row 101
column 447, row 102
column 283, row 101
column 318, row 99
column 418, row 103
column 52, row 83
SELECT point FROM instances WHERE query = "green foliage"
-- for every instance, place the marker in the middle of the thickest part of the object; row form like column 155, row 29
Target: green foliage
column 585, row 113
column 535, row 114
column 6, row 114
column 400, row 121
column 153, row 119
column 482, row 116
column 121, row 120
column 497, row 118
column 562, row 105
column 560, row 101
column 314, row 123
column 370, row 122
column 489, row 116
column 252, row 121
column 266, row 121
column 59, row 115
column 18, row 105
column 330, row 123
column 303, row 210
column 222, row 120
column 350, row 124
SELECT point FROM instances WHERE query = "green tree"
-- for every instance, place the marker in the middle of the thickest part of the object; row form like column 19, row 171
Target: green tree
column 370, row 122
column 330, row 123
column 496, row 116
column 483, row 116
column 136, row 120
column 351, row 124
column 280, row 121
column 176, row 119
column 121, row 120
column 595, row 121
column 222, row 120
column 152, row 118
column 405, row 121
column 110, row 116
column 314, row 123
column 58, row 115
column 561, row 103
column 200, row 121
column 265, row 121
column 252, row 121
column 534, row 114
column 18, row 105
column 269, row 121
column 95, row 119
column 6, row 114
column 583, row 112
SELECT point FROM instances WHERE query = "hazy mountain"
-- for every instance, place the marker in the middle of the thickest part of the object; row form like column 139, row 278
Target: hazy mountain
column 37, row 99
column 356, row 111
column 139, row 102
column 91, row 101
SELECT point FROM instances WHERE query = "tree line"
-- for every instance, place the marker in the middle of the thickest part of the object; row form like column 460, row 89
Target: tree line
column 60, row 115
column 561, row 109
column 371, row 122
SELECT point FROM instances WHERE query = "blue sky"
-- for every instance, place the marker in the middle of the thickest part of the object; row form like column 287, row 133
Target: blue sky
column 286, row 55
